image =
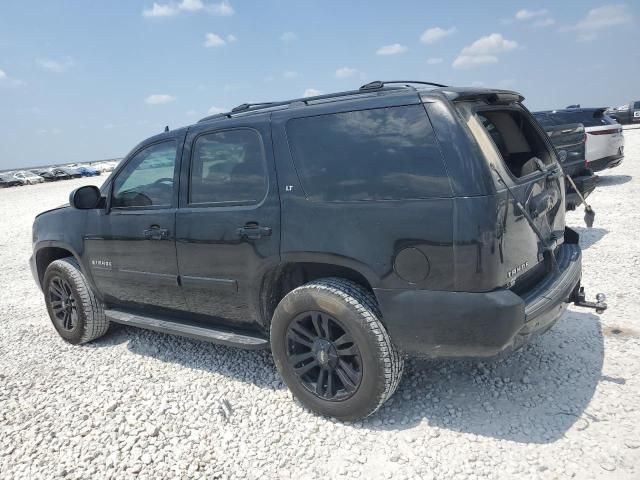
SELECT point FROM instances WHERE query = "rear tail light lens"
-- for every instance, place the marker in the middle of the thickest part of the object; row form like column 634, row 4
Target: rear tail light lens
column 605, row 132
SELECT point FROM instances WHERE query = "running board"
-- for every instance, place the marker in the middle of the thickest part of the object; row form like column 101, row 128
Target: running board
column 188, row 329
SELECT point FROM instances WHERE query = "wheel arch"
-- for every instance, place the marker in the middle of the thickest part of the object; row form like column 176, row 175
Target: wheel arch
column 48, row 252
column 289, row 275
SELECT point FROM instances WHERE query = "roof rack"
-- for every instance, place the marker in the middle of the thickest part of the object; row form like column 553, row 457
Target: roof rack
column 376, row 84
column 247, row 106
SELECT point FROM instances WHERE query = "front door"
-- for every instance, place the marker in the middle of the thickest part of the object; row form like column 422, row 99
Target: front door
column 228, row 223
column 131, row 246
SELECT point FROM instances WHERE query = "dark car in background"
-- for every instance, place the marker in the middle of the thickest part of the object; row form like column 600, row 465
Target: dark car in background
column 625, row 114
column 9, row 181
column 50, row 176
column 569, row 140
column 71, row 172
column 604, row 140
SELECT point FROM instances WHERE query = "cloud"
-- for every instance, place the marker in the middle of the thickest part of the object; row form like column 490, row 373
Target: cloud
column 345, row 72
column 232, row 38
column 434, row 61
column 598, row 19
column 159, row 99
column 222, row 9
column 7, row 81
column 158, row 10
column 216, row 110
column 484, row 51
column 171, row 9
column 525, row 14
column 191, row 5
column 432, row 35
column 311, row 92
column 56, row 66
column 288, row 37
column 213, row 40
column 393, row 49
column 290, row 74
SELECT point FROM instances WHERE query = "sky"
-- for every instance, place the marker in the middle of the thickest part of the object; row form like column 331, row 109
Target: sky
column 87, row 80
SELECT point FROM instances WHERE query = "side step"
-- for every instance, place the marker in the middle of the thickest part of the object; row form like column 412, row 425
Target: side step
column 188, row 329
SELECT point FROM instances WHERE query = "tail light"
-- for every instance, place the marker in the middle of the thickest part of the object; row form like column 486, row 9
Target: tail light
column 609, row 131
column 586, row 163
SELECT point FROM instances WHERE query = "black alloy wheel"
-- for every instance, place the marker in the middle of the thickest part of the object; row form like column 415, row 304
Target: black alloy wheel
column 63, row 304
column 324, row 356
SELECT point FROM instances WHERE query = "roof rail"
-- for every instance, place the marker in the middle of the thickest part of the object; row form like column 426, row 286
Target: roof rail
column 376, row 84
column 247, row 106
column 252, row 107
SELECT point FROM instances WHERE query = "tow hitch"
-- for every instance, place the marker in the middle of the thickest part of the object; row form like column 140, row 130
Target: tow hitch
column 579, row 299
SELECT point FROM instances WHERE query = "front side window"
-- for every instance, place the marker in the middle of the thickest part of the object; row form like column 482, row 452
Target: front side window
column 228, row 167
column 377, row 154
column 147, row 179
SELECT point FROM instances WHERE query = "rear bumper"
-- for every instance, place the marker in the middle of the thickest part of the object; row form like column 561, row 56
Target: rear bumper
column 606, row 162
column 466, row 324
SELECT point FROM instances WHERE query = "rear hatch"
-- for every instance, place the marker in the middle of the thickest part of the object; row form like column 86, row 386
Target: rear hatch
column 526, row 172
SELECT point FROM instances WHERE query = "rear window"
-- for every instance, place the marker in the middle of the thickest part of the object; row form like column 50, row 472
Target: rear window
column 377, row 154
column 514, row 135
column 589, row 118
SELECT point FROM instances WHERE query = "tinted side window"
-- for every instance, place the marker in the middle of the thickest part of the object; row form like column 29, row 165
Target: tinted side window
column 228, row 167
column 636, row 105
column 378, row 154
column 147, row 179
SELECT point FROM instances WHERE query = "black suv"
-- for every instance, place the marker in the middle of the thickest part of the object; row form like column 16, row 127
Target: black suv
column 343, row 231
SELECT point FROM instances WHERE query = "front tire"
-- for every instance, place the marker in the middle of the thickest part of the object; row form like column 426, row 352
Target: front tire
column 75, row 311
column 333, row 351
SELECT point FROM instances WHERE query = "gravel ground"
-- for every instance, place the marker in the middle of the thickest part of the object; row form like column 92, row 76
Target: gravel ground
column 146, row 404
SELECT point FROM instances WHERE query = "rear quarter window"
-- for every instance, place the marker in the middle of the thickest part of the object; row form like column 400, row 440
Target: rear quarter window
column 377, row 154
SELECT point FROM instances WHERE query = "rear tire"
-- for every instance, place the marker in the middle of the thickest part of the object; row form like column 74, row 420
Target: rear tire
column 332, row 349
column 75, row 311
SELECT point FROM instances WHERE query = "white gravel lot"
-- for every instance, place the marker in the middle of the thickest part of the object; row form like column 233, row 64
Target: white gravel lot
column 146, row 404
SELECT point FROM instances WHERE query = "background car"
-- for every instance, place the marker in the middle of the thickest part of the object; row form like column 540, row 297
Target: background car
column 50, row 175
column 70, row 172
column 9, row 181
column 569, row 140
column 28, row 178
column 604, row 139
column 88, row 171
column 625, row 114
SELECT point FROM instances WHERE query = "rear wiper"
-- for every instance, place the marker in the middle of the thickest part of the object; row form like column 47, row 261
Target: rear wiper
column 549, row 256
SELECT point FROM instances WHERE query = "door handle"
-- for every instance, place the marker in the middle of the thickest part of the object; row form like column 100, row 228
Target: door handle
column 253, row 231
column 155, row 233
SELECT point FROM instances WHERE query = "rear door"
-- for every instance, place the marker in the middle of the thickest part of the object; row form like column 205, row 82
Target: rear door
column 228, row 223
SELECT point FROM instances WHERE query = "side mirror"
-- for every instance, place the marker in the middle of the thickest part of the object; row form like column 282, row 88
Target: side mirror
column 85, row 198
